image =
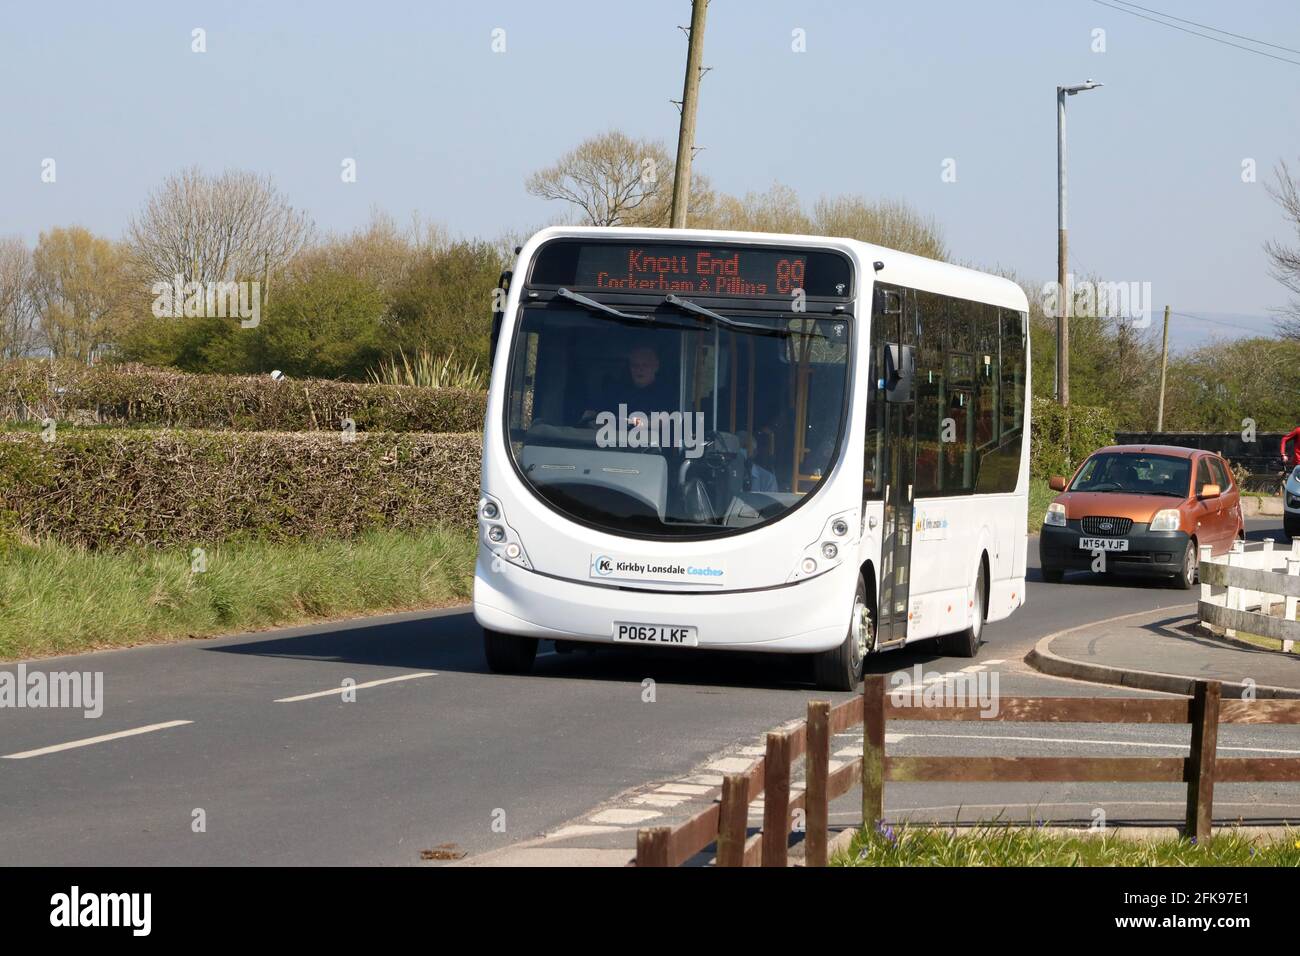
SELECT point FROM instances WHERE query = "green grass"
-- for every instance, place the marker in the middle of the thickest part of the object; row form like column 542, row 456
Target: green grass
column 56, row 599
column 1040, row 496
column 995, row 844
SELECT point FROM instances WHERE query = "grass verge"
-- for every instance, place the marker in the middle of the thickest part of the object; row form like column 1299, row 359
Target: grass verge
column 1040, row 496
column 56, row 599
column 996, row 844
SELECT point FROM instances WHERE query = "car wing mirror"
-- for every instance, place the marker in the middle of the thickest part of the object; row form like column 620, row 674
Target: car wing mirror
column 1056, row 483
column 1210, row 491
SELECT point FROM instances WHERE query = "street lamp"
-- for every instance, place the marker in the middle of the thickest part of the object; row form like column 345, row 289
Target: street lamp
column 1063, row 318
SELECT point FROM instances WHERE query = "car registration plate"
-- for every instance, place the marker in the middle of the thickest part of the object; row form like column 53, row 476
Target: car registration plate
column 1104, row 544
column 678, row 635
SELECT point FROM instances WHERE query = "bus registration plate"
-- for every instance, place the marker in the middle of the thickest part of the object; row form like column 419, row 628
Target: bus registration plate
column 674, row 634
column 1104, row 544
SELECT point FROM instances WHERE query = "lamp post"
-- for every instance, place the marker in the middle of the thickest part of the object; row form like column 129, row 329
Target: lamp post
column 1063, row 315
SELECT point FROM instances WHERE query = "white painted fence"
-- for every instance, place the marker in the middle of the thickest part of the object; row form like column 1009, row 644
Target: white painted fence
column 1256, row 581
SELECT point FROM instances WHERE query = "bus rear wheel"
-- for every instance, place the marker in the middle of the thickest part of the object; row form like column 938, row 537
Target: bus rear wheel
column 967, row 643
column 840, row 668
column 509, row 653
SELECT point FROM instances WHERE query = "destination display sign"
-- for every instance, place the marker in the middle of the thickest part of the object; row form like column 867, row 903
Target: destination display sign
column 704, row 269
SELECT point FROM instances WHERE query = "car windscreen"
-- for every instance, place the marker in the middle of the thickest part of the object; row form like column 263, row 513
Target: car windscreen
column 1134, row 473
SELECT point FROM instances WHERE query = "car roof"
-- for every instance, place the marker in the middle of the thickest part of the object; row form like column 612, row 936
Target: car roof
column 1173, row 451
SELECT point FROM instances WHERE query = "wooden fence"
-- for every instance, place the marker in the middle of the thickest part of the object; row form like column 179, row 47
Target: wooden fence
column 1255, row 582
column 725, row 823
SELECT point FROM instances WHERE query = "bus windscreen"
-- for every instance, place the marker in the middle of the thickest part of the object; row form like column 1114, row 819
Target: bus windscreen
column 715, row 270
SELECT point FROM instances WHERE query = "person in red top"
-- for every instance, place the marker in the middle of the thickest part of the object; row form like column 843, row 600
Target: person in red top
column 1292, row 459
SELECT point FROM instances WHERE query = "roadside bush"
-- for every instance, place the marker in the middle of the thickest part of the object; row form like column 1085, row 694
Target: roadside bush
column 1061, row 438
column 139, row 395
column 101, row 488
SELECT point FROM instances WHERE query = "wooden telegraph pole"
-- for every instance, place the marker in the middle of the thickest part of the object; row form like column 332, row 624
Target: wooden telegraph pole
column 686, row 133
column 1164, row 362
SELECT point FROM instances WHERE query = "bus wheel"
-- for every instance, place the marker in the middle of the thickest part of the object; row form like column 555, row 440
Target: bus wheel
column 840, row 668
column 509, row 653
column 967, row 643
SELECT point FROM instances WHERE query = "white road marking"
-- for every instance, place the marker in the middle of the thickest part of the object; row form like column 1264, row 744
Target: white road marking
column 973, row 669
column 660, row 799
column 689, row 789
column 995, row 661
column 1084, row 740
column 339, row 690
column 578, row 829
column 731, row 765
column 87, row 741
column 619, row 815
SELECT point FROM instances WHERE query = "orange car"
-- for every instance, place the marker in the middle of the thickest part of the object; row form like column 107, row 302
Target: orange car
column 1147, row 508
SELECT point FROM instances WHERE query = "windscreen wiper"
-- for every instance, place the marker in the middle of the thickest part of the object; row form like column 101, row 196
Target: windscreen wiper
column 689, row 307
column 594, row 306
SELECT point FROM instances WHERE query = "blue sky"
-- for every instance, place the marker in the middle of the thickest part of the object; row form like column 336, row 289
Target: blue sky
column 440, row 124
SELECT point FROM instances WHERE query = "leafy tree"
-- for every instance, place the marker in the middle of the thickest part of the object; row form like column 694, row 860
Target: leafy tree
column 81, row 288
column 445, row 305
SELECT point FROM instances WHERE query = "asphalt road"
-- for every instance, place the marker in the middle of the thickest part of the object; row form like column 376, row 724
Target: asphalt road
column 444, row 753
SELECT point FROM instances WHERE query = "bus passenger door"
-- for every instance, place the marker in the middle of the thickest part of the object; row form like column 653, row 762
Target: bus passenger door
column 894, row 315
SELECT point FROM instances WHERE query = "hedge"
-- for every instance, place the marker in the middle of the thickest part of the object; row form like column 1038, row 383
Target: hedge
column 1062, row 438
column 164, row 398
column 117, row 487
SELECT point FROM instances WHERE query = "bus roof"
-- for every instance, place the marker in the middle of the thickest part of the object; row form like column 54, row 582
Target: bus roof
column 900, row 268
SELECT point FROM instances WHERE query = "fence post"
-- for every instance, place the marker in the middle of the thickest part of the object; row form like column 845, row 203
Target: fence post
column 1292, row 569
column 733, row 819
column 1200, row 764
column 652, row 846
column 873, row 750
column 776, row 799
column 1236, row 596
column 816, row 803
column 1206, row 557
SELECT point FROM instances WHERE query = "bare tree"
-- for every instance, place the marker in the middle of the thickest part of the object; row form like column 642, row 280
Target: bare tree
column 887, row 222
column 18, row 332
column 232, row 227
column 615, row 180
column 1284, row 259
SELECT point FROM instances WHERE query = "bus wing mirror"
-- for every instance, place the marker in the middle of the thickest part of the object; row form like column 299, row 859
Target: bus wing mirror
column 900, row 368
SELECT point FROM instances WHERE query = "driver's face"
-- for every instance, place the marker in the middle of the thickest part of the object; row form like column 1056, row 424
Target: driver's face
column 643, row 365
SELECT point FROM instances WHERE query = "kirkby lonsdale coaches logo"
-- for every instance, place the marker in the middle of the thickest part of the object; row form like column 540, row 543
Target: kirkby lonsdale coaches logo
column 661, row 570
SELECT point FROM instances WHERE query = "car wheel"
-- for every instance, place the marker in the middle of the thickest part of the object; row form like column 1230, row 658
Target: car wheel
column 509, row 653
column 967, row 643
column 1187, row 578
column 840, row 668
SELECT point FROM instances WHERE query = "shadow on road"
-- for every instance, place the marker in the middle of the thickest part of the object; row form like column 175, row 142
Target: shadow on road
column 452, row 641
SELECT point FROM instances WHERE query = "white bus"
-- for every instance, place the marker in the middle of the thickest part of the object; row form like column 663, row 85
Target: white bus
column 750, row 442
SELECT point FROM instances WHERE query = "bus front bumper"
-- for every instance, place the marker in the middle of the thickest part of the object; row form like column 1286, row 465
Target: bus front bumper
column 810, row 616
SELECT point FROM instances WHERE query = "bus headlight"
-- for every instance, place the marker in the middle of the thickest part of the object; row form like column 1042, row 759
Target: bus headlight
column 497, row 535
column 824, row 554
column 1166, row 520
column 1055, row 515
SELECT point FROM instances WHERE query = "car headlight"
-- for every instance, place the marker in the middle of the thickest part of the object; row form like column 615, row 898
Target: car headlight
column 1166, row 520
column 1055, row 515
